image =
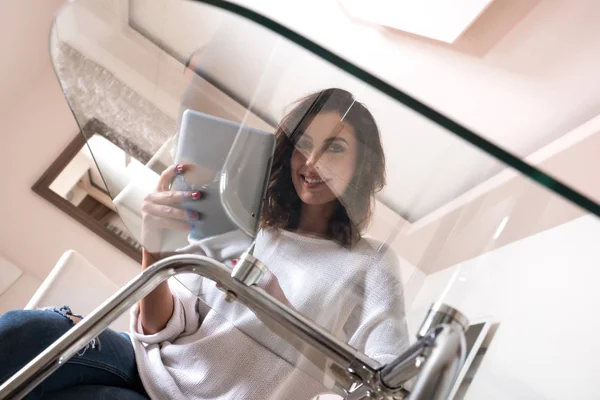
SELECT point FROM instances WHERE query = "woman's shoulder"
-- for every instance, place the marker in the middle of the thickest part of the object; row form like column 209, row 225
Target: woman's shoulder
column 365, row 247
column 288, row 237
column 382, row 262
column 376, row 250
column 368, row 253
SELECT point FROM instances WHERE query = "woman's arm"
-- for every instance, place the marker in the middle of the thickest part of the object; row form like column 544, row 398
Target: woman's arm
column 378, row 325
column 156, row 308
column 161, row 210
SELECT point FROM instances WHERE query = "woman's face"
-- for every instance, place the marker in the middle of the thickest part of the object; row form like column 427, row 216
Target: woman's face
column 324, row 159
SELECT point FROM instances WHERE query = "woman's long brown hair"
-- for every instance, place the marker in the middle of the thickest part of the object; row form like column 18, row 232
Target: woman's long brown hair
column 282, row 206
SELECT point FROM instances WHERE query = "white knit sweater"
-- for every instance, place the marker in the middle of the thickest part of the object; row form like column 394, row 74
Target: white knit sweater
column 211, row 349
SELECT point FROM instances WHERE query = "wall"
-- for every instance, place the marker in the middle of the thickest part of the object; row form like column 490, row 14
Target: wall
column 23, row 45
column 543, row 292
column 36, row 127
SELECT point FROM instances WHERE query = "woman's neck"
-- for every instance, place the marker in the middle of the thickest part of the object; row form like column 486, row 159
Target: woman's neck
column 314, row 219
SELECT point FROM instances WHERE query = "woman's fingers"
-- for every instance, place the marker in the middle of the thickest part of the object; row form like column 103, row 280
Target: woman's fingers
column 167, row 176
column 165, row 223
column 153, row 213
column 164, row 211
column 168, row 197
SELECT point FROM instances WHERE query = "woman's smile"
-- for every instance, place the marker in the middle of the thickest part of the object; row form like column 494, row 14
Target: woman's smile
column 313, row 181
column 324, row 159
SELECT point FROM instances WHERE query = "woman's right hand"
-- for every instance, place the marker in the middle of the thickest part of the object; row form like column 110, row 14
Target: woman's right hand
column 162, row 209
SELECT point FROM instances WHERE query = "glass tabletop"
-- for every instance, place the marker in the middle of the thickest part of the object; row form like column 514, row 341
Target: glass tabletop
column 365, row 204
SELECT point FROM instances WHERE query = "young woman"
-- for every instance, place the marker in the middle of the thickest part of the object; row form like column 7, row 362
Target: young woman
column 191, row 344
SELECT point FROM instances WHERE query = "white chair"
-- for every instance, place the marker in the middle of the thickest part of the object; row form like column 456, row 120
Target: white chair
column 75, row 282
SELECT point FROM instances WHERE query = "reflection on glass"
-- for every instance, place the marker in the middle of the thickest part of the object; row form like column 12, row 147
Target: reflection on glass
column 370, row 208
column 81, row 184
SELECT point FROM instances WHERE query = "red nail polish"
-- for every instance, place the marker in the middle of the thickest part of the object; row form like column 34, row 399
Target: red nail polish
column 195, row 195
column 234, row 261
column 179, row 168
column 193, row 215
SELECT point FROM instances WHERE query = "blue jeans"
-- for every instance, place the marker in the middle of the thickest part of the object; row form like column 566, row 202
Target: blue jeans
column 104, row 369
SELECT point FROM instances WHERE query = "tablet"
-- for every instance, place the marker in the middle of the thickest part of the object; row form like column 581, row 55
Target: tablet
column 231, row 167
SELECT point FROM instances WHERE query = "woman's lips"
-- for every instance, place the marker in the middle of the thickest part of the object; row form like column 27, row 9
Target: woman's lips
column 312, row 182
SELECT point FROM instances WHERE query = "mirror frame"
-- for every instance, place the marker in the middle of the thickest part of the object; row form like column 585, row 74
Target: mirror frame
column 42, row 185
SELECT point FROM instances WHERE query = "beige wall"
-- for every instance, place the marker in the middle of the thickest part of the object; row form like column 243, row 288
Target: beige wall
column 35, row 126
column 34, row 233
column 23, row 44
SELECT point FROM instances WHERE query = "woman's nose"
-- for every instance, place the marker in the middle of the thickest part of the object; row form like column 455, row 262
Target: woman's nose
column 313, row 158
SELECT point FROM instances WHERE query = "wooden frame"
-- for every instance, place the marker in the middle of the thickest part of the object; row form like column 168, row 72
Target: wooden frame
column 42, row 186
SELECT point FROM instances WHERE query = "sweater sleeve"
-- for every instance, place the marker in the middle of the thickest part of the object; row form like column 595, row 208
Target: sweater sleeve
column 379, row 322
column 185, row 320
column 188, row 313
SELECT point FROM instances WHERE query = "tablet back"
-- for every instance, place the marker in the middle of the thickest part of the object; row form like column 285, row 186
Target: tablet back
column 231, row 166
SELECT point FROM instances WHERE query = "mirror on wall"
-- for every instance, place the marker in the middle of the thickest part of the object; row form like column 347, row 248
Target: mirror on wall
column 74, row 184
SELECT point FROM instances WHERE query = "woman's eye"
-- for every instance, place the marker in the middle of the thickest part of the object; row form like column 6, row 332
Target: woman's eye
column 336, row 148
column 303, row 145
